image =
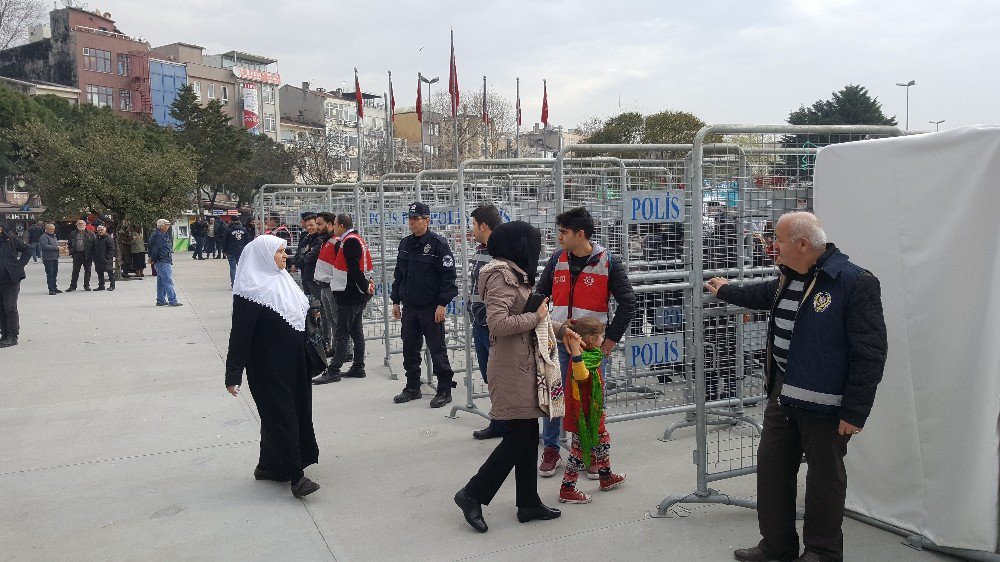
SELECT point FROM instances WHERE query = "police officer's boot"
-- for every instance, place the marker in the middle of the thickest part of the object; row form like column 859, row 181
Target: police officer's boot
column 443, row 395
column 407, row 395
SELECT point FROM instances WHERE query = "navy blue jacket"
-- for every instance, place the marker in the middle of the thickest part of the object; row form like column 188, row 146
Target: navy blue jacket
column 161, row 249
column 235, row 239
column 13, row 255
column 425, row 272
column 838, row 348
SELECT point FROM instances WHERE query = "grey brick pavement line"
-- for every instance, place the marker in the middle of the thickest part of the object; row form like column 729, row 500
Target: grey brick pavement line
column 128, row 457
column 251, row 411
column 558, row 538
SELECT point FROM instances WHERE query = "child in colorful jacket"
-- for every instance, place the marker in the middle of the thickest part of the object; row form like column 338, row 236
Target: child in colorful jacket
column 584, row 416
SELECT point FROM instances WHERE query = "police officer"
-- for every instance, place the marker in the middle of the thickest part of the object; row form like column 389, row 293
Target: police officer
column 424, row 282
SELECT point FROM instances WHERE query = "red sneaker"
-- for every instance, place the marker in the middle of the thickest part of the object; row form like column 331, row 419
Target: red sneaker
column 572, row 495
column 592, row 473
column 611, row 481
column 550, row 461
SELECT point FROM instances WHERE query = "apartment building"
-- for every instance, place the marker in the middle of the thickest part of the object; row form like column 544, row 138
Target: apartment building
column 86, row 50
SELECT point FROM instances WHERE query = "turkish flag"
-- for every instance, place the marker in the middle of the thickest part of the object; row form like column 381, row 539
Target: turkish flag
column 519, row 110
column 392, row 102
column 545, row 104
column 453, row 79
column 420, row 102
column 357, row 96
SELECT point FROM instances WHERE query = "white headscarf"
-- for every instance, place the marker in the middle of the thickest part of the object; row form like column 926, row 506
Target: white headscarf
column 258, row 279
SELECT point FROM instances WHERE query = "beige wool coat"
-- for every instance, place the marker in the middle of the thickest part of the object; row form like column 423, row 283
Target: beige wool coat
column 511, row 369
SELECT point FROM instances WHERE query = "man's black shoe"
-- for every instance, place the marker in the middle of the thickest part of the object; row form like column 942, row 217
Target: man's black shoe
column 52, row 292
column 111, row 288
column 176, row 304
column 355, row 373
column 441, row 398
column 472, row 510
column 97, row 289
column 488, row 433
column 756, row 554
column 70, row 289
column 327, row 377
column 541, row 512
column 407, row 395
column 58, row 291
column 86, row 288
column 161, row 304
column 9, row 342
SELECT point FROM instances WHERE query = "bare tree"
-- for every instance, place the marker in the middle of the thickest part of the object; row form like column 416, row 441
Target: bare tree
column 321, row 159
column 16, row 16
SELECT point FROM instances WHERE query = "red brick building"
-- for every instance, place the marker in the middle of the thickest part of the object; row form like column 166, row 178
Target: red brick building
column 87, row 51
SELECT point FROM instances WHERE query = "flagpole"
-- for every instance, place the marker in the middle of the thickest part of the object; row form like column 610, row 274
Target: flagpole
column 387, row 135
column 391, row 126
column 517, row 121
column 486, row 124
column 420, row 121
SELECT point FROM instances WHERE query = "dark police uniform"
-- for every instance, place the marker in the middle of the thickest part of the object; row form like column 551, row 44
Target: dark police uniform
column 423, row 280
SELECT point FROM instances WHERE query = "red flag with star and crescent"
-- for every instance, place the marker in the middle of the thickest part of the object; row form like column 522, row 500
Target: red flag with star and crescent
column 357, row 96
column 420, row 102
column 453, row 79
column 545, row 104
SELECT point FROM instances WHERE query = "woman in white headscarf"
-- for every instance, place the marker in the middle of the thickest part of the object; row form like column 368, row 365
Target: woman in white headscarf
column 268, row 339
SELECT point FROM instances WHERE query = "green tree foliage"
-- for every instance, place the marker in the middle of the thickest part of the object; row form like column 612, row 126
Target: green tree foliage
column 671, row 127
column 111, row 166
column 229, row 158
column 626, row 128
column 852, row 105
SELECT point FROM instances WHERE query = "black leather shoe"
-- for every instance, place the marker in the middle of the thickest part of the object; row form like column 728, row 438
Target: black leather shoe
column 407, row 395
column 472, row 510
column 541, row 512
column 86, row 288
column 161, row 304
column 326, row 378
column 809, row 556
column 487, row 433
column 176, row 304
column 304, row 487
column 355, row 373
column 263, row 474
column 97, row 289
column 70, row 289
column 9, row 341
column 756, row 554
column 52, row 292
column 441, row 398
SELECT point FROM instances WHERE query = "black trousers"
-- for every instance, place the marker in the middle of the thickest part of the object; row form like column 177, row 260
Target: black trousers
column 10, row 322
column 349, row 327
column 51, row 271
column 109, row 274
column 80, row 260
column 782, row 443
column 199, row 247
column 419, row 325
column 517, row 450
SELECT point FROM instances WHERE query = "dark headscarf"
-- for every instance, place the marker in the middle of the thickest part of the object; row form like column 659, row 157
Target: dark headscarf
column 520, row 243
column 8, row 230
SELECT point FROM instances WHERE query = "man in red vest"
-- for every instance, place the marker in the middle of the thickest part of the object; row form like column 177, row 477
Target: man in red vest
column 581, row 278
column 352, row 287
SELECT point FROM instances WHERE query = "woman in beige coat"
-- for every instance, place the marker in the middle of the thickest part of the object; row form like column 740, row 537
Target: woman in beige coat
column 505, row 285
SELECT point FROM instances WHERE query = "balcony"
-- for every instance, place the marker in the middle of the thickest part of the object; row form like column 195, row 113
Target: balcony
column 105, row 33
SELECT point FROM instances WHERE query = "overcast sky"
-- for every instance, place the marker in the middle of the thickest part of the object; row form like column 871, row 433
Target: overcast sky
column 724, row 61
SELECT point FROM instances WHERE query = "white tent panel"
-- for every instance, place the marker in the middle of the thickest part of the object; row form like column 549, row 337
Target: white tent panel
column 923, row 214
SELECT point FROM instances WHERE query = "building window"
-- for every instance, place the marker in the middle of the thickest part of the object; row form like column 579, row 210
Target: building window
column 211, row 91
column 124, row 65
column 225, row 94
column 197, row 89
column 125, row 100
column 267, row 93
column 269, row 123
column 96, row 60
column 101, row 96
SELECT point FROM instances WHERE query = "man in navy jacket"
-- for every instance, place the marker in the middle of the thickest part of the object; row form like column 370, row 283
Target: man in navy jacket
column 826, row 353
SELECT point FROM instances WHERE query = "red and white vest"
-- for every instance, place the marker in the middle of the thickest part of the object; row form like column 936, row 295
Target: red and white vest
column 338, row 275
column 587, row 297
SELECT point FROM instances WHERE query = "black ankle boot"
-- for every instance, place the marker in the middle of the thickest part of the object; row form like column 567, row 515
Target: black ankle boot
column 540, row 511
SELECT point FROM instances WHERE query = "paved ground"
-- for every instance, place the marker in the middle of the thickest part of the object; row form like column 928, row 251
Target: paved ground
column 119, row 441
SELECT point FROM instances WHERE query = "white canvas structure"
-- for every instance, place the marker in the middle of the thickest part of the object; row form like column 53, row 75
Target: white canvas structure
column 923, row 214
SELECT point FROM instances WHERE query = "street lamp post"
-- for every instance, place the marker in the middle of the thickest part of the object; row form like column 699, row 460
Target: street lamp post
column 423, row 145
column 937, row 124
column 907, row 86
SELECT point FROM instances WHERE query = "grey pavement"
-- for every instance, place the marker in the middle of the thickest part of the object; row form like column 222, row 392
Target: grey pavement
column 119, row 441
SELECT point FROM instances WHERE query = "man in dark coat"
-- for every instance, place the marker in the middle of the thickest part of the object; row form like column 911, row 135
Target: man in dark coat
column 233, row 242
column 35, row 232
column 424, row 282
column 104, row 258
column 199, row 230
column 826, row 343
column 81, row 248
column 14, row 254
